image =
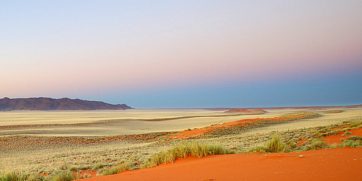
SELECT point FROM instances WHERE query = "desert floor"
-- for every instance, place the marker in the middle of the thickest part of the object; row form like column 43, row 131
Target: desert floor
column 89, row 142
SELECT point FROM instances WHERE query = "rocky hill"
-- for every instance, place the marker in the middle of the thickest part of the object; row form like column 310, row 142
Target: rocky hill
column 43, row 103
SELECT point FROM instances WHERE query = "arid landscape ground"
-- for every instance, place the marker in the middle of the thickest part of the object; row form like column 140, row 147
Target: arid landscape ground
column 66, row 145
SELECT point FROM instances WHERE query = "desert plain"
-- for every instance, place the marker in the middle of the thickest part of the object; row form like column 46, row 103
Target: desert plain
column 141, row 144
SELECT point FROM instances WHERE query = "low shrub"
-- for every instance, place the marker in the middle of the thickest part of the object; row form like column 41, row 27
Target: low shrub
column 315, row 144
column 353, row 141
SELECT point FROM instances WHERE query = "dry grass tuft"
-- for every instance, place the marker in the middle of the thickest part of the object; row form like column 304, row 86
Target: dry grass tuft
column 13, row 176
column 116, row 169
column 63, row 176
column 184, row 150
column 274, row 145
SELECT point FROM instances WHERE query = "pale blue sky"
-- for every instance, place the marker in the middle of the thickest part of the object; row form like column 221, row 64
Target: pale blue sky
column 207, row 53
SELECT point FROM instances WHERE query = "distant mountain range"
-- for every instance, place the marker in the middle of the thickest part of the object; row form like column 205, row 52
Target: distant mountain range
column 43, row 103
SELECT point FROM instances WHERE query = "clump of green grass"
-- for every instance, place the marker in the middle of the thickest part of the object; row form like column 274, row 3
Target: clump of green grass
column 274, row 145
column 353, row 141
column 184, row 150
column 13, row 176
column 18, row 176
column 63, row 176
column 116, row 169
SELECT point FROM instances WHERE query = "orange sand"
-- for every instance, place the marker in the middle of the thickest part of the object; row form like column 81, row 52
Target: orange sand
column 331, row 164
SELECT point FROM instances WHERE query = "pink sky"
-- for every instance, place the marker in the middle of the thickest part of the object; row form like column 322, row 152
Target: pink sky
column 47, row 49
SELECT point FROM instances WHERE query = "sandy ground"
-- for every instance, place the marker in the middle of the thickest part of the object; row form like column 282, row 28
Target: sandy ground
column 40, row 149
column 331, row 164
column 107, row 123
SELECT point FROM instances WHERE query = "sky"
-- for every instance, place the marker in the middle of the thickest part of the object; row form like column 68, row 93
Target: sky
column 171, row 54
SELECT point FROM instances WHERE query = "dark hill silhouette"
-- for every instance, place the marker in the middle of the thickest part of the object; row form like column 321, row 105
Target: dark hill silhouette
column 43, row 103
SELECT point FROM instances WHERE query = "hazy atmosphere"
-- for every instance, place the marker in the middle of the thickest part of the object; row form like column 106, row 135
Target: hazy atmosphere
column 183, row 53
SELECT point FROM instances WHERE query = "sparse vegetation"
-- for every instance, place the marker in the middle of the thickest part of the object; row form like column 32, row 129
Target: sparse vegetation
column 353, row 141
column 99, row 166
column 62, row 176
column 36, row 177
column 315, row 144
column 355, row 123
column 13, row 176
column 184, row 150
column 275, row 144
column 116, row 169
column 300, row 115
column 263, row 122
column 18, row 176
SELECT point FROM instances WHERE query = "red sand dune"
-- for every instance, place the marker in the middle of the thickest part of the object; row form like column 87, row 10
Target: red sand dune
column 240, row 123
column 331, row 164
column 338, row 138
